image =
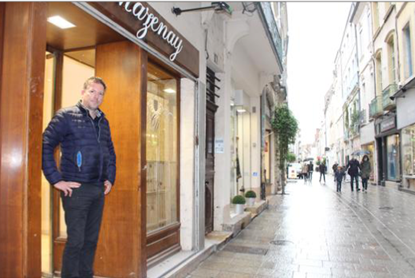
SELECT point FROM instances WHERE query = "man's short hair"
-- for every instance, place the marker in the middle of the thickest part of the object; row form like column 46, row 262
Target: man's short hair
column 96, row 80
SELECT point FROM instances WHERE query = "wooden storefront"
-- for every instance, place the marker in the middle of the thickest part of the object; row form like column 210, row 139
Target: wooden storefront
column 41, row 69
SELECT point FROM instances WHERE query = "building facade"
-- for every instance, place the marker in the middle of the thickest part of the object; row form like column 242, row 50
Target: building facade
column 405, row 96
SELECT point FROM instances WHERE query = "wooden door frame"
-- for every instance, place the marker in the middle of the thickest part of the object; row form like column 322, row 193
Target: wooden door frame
column 23, row 43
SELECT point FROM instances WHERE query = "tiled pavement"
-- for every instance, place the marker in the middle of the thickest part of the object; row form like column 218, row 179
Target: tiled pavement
column 315, row 232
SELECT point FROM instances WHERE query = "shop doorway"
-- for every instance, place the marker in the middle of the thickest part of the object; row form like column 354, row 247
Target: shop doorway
column 70, row 60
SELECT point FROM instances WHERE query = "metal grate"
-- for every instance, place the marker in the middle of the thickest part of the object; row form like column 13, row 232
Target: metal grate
column 246, row 250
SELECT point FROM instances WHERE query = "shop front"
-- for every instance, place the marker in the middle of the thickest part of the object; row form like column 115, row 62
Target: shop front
column 405, row 98
column 388, row 143
column 43, row 68
column 408, row 157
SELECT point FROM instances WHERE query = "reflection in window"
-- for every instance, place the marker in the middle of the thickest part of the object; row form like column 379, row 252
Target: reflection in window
column 161, row 149
column 392, row 158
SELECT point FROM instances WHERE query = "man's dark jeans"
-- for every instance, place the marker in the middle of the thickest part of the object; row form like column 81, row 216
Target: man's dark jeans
column 83, row 215
column 354, row 177
column 324, row 176
column 339, row 186
column 364, row 183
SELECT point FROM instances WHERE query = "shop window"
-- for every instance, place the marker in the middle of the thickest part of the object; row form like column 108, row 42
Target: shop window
column 161, row 149
column 408, row 149
column 392, row 158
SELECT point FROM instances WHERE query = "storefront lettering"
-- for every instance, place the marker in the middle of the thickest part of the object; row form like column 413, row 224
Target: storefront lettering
column 150, row 21
column 387, row 124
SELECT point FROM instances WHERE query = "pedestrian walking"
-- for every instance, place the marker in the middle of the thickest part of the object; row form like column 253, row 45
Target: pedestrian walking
column 353, row 170
column 365, row 172
column 334, row 168
column 86, row 174
column 304, row 171
column 339, row 174
column 322, row 169
column 310, row 170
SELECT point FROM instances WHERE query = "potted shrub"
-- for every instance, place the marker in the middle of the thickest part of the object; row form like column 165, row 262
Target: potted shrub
column 250, row 197
column 239, row 202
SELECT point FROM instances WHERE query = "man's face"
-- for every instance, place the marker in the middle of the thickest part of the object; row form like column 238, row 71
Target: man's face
column 93, row 96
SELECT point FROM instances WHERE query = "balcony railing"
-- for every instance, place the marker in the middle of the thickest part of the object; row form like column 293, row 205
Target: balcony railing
column 354, row 130
column 386, row 94
column 271, row 24
column 375, row 107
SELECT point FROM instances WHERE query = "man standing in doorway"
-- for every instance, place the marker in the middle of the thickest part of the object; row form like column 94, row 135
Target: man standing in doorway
column 86, row 175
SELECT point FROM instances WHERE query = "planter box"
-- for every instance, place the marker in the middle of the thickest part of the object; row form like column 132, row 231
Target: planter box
column 250, row 202
column 239, row 209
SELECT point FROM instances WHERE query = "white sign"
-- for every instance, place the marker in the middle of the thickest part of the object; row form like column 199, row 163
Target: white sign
column 219, row 148
column 150, row 21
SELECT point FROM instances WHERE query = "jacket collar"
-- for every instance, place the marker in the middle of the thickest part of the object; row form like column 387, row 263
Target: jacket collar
column 86, row 112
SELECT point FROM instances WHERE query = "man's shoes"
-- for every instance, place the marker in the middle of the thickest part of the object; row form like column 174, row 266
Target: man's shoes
column 358, row 189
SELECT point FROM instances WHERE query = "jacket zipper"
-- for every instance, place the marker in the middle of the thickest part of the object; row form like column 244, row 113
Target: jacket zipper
column 99, row 144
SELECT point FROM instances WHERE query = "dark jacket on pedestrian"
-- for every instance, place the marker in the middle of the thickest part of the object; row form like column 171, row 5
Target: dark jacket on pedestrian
column 311, row 167
column 87, row 149
column 353, row 167
column 365, row 169
column 339, row 174
column 322, row 168
column 334, row 167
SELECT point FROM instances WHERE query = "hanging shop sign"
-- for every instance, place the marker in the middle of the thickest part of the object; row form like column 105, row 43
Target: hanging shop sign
column 387, row 124
column 141, row 20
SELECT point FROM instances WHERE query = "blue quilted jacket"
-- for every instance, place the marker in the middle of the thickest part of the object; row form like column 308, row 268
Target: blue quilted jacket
column 87, row 157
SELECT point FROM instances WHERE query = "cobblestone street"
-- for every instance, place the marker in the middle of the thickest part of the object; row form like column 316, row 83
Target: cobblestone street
column 315, row 232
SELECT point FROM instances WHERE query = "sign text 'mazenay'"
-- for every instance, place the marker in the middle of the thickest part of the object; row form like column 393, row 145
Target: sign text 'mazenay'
column 150, row 21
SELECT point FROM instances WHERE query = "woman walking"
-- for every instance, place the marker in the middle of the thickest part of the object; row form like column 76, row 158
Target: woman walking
column 365, row 171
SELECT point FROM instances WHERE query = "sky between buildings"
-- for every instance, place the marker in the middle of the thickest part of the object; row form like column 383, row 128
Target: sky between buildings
column 315, row 31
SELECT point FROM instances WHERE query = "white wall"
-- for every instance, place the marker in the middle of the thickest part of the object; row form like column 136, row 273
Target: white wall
column 406, row 109
column 187, row 175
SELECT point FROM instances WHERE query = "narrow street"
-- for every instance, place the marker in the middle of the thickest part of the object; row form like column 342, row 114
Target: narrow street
column 315, row 232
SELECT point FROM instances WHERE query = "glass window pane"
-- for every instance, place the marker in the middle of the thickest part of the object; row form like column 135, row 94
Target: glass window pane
column 393, row 157
column 161, row 148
